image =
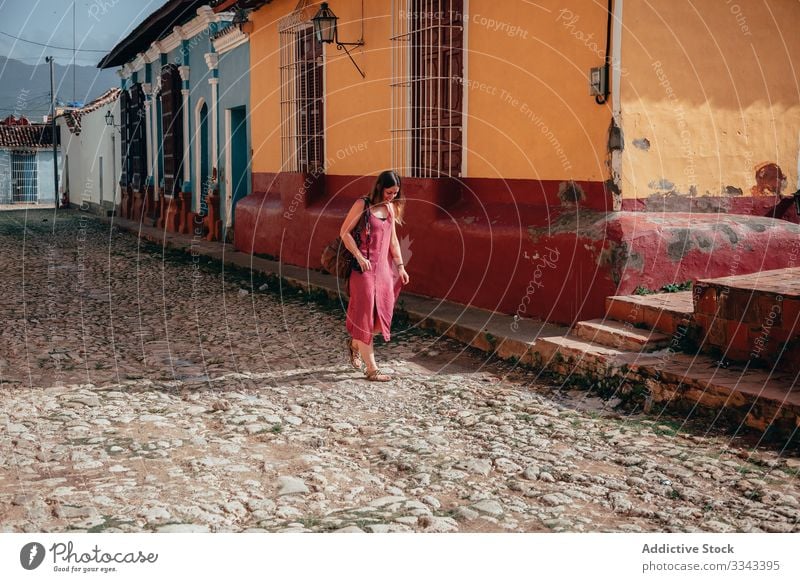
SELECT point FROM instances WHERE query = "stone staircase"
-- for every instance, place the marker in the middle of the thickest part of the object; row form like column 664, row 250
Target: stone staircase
column 638, row 348
column 636, row 329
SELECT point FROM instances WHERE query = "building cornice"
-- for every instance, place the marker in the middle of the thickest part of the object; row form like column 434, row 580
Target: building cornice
column 229, row 40
column 137, row 64
column 154, row 52
column 173, row 41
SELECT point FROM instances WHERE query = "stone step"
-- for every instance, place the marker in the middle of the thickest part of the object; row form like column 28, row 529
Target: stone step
column 753, row 317
column 760, row 399
column 748, row 298
column 665, row 312
column 569, row 354
column 622, row 336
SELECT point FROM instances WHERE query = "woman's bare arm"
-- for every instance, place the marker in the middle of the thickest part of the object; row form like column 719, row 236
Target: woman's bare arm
column 397, row 252
column 350, row 222
column 394, row 249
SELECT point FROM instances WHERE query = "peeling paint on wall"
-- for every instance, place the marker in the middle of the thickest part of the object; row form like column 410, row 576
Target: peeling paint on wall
column 588, row 224
column 708, row 123
column 662, row 184
column 770, row 180
column 728, row 231
column 570, row 193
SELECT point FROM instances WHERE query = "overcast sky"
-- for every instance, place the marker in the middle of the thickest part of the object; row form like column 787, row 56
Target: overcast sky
column 99, row 25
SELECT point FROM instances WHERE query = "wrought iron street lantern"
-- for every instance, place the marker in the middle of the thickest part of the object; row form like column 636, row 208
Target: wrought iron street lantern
column 325, row 24
column 326, row 32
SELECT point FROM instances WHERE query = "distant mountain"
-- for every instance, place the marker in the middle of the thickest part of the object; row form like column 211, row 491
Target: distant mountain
column 25, row 89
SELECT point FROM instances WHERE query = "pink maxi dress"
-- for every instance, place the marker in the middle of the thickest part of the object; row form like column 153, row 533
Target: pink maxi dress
column 374, row 293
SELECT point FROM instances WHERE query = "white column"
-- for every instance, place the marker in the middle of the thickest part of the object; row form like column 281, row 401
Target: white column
column 184, row 71
column 212, row 60
column 214, row 81
column 148, row 112
column 156, row 144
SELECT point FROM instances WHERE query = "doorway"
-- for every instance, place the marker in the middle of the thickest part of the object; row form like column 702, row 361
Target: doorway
column 237, row 160
column 201, row 159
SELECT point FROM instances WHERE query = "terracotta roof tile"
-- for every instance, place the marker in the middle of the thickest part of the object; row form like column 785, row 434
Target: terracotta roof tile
column 73, row 116
column 26, row 136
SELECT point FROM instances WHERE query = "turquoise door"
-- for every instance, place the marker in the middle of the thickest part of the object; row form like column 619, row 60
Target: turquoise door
column 240, row 156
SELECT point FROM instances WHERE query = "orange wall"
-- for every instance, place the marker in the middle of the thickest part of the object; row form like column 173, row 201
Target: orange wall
column 358, row 110
column 711, row 86
column 357, row 115
column 530, row 115
column 265, row 86
column 528, row 76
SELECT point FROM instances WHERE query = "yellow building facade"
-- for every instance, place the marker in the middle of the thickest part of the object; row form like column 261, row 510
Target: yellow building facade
column 527, row 111
column 526, row 130
column 711, row 95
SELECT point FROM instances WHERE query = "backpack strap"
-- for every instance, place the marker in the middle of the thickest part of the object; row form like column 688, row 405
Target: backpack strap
column 367, row 228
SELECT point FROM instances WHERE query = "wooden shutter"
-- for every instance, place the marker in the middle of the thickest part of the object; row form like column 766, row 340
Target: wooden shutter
column 309, row 101
column 172, row 122
column 123, row 141
column 137, row 147
column 437, row 63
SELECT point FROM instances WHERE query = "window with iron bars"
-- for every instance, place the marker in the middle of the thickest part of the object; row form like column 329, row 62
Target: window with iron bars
column 24, row 177
column 302, row 128
column 427, row 87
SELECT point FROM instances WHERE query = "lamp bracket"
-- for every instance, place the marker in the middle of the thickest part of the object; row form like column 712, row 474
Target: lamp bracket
column 343, row 46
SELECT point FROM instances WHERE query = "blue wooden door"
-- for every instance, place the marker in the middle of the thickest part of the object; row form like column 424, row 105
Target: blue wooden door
column 240, row 156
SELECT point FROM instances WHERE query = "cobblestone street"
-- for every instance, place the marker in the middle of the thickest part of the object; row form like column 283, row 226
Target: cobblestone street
column 144, row 391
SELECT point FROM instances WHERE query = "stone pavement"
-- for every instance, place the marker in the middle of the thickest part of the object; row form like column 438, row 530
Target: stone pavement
column 147, row 390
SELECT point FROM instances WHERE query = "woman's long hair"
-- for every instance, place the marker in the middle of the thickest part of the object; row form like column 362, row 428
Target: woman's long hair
column 389, row 179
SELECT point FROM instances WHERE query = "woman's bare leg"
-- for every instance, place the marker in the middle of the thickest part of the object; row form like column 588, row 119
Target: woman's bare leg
column 369, row 355
column 367, row 352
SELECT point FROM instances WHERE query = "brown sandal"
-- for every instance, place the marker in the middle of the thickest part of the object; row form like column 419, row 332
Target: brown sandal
column 377, row 376
column 355, row 357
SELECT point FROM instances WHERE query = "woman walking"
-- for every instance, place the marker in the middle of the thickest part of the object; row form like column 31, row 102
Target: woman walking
column 377, row 278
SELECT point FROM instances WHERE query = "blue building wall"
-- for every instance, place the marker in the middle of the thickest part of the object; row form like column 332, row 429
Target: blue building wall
column 5, row 176
column 44, row 176
column 198, row 89
column 234, row 93
column 44, row 163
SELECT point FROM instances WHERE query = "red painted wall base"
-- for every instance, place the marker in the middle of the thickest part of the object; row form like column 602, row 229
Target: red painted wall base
column 543, row 249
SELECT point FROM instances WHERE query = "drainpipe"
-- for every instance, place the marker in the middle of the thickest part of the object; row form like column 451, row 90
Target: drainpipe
column 65, row 201
column 148, row 134
column 614, row 61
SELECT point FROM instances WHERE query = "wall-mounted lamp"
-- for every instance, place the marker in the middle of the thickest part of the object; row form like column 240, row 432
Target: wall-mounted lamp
column 326, row 32
column 110, row 120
